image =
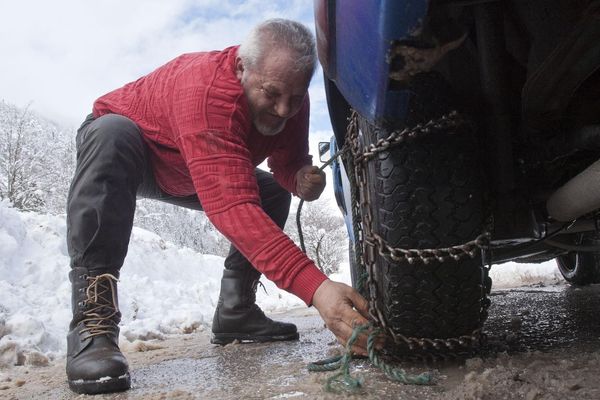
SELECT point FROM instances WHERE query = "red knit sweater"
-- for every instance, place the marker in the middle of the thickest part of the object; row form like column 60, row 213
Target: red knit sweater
column 194, row 117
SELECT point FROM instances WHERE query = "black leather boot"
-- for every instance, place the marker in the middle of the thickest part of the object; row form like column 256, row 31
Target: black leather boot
column 237, row 316
column 94, row 362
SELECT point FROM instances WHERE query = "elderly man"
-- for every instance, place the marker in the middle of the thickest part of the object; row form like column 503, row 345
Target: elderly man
column 191, row 133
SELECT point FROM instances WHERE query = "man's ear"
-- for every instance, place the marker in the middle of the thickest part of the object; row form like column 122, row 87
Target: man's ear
column 239, row 68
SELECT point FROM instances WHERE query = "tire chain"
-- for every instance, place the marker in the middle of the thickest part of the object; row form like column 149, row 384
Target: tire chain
column 368, row 244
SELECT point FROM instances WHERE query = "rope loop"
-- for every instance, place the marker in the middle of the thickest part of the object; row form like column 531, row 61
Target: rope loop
column 344, row 381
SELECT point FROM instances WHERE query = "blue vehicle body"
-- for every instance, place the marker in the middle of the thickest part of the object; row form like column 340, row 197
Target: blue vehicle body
column 355, row 42
column 356, row 38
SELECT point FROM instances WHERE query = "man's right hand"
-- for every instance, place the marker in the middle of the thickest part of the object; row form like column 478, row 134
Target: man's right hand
column 342, row 308
column 310, row 182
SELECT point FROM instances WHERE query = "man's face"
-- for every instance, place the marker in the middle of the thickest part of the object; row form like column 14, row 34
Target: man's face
column 274, row 91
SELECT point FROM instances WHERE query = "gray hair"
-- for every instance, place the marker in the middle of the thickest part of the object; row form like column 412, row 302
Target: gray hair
column 279, row 33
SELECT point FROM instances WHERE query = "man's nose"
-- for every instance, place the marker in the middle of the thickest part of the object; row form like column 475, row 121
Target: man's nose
column 283, row 108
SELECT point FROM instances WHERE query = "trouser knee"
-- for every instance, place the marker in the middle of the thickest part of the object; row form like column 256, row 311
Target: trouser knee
column 113, row 137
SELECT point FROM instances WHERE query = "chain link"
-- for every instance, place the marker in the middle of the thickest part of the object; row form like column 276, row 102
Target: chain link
column 427, row 256
column 371, row 244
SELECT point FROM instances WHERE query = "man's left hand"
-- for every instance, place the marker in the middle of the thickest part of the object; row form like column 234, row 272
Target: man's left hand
column 310, row 182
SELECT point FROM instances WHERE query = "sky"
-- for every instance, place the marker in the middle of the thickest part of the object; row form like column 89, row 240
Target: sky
column 59, row 56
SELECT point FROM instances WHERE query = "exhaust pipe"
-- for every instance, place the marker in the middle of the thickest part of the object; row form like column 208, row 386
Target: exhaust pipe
column 577, row 197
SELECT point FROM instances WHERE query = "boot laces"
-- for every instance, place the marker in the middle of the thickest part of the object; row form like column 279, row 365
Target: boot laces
column 254, row 306
column 102, row 305
column 255, row 285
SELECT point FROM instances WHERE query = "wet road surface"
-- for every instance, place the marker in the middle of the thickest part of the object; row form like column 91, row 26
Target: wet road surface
column 546, row 318
column 545, row 323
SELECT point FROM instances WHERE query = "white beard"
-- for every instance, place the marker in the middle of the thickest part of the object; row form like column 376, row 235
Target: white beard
column 269, row 130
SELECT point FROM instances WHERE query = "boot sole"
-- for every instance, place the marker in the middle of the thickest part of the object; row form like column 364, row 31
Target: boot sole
column 102, row 385
column 226, row 338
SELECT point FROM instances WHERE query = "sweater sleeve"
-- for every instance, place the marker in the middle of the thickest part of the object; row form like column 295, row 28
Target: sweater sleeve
column 292, row 153
column 224, row 179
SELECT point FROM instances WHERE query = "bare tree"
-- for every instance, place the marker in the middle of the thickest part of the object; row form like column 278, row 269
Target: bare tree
column 325, row 236
column 181, row 226
column 36, row 160
column 18, row 160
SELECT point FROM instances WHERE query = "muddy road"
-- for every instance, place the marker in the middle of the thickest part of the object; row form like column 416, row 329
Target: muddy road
column 544, row 343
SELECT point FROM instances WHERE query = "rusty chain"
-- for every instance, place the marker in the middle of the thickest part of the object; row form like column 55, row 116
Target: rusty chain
column 368, row 244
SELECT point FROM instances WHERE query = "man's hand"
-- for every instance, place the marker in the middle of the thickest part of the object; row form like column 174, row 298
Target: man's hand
column 342, row 308
column 310, row 182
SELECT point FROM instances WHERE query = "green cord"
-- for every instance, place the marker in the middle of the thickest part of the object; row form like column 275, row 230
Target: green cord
column 342, row 362
column 361, row 281
column 328, row 364
column 346, row 381
column 397, row 374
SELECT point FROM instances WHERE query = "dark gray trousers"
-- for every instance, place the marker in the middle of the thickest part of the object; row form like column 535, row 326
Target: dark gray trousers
column 113, row 168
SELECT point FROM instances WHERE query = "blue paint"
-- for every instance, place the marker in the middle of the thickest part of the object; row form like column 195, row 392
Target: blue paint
column 364, row 31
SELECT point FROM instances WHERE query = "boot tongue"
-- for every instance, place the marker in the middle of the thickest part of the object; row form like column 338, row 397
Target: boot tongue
column 102, row 292
column 102, row 303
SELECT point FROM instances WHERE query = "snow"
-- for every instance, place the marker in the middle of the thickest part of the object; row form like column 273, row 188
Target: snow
column 512, row 274
column 163, row 289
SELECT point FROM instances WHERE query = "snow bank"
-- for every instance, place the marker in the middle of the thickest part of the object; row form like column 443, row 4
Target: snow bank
column 511, row 274
column 163, row 289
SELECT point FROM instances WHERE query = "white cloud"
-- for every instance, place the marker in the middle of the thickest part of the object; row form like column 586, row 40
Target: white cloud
column 61, row 55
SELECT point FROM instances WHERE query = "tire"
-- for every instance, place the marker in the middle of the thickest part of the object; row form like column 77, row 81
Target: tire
column 581, row 268
column 428, row 193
